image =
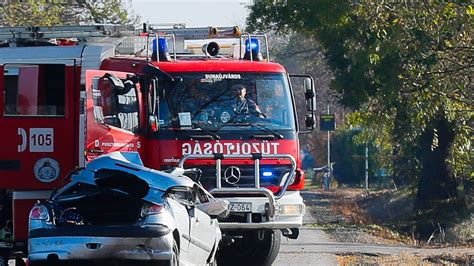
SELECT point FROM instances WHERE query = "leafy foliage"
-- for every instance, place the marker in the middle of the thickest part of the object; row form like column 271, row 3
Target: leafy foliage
column 404, row 67
column 60, row 12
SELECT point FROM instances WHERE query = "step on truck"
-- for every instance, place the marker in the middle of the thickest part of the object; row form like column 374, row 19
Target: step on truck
column 205, row 98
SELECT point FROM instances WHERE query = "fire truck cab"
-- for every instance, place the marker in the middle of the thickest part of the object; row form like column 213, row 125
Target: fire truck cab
column 231, row 116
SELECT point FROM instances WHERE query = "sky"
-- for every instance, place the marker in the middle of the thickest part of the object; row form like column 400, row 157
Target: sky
column 194, row 13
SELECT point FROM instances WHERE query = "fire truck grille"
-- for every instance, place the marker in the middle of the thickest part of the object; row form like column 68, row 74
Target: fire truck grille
column 243, row 175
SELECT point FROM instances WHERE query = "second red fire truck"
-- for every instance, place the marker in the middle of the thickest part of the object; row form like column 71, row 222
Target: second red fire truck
column 70, row 94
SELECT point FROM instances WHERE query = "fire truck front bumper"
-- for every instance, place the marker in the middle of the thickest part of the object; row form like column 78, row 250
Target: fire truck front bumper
column 264, row 212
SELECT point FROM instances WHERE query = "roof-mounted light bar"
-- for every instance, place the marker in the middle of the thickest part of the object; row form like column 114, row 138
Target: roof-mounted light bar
column 201, row 33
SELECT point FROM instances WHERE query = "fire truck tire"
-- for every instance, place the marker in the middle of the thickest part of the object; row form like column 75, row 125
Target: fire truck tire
column 251, row 250
column 38, row 263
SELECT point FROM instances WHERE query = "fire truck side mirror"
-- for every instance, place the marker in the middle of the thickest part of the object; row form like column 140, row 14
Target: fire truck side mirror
column 309, row 94
column 310, row 121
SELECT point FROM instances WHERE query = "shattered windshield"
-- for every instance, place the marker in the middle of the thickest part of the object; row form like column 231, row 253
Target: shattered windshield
column 221, row 101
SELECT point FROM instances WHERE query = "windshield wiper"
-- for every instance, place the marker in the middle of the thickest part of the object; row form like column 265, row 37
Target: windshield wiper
column 268, row 130
column 262, row 127
column 205, row 130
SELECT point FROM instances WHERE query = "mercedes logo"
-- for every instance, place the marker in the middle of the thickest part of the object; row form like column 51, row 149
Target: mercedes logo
column 232, row 175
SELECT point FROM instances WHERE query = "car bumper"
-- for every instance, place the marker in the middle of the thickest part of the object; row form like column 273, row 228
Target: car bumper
column 96, row 243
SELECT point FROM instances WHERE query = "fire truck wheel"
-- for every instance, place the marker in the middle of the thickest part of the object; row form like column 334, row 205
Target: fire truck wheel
column 252, row 249
column 38, row 263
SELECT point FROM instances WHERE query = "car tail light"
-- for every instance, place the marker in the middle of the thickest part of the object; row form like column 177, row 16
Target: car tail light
column 39, row 212
column 151, row 209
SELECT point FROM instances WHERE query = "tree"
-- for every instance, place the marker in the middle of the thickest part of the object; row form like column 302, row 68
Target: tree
column 298, row 54
column 60, row 12
column 405, row 68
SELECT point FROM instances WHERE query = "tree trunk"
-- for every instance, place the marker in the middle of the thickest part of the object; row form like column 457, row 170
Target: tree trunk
column 437, row 186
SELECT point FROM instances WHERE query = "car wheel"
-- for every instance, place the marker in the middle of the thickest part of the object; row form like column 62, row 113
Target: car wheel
column 252, row 249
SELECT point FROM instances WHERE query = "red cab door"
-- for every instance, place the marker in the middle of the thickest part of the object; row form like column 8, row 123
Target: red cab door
column 113, row 107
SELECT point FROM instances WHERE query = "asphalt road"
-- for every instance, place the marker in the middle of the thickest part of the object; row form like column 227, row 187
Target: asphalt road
column 308, row 249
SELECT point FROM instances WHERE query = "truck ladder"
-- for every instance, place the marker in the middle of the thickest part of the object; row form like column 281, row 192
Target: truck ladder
column 14, row 35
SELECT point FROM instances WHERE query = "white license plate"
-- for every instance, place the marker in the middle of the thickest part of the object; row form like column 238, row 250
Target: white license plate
column 240, row 207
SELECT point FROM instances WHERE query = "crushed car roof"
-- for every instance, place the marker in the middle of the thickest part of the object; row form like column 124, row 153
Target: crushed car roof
column 131, row 163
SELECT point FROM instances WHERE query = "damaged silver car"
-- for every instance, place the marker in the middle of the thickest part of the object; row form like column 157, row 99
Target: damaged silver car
column 116, row 210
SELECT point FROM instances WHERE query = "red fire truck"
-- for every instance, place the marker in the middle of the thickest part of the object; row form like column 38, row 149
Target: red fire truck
column 69, row 94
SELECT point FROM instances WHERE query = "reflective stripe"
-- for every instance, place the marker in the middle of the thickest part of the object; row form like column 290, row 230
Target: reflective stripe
column 82, row 129
column 35, row 194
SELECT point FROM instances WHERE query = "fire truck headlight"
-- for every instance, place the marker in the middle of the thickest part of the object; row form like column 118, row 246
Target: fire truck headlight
column 291, row 209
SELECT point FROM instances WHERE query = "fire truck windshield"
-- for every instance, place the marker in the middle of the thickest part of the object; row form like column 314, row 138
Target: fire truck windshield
column 223, row 101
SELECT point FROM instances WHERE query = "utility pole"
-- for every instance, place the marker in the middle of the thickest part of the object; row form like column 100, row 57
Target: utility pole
column 367, row 167
column 329, row 159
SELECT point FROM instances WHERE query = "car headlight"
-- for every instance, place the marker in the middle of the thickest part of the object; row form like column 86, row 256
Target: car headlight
column 291, row 209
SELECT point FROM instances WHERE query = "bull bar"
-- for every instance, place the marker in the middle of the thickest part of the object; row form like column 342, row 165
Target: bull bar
column 257, row 190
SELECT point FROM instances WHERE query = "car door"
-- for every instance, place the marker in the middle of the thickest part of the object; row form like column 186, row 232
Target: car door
column 112, row 113
column 203, row 229
column 178, row 198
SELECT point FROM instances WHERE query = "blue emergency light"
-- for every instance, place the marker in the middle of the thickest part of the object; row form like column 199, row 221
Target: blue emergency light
column 267, row 174
column 252, row 47
column 252, row 44
column 162, row 51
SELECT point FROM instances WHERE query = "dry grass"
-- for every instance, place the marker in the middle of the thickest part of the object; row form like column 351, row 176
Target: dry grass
column 352, row 205
column 400, row 259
